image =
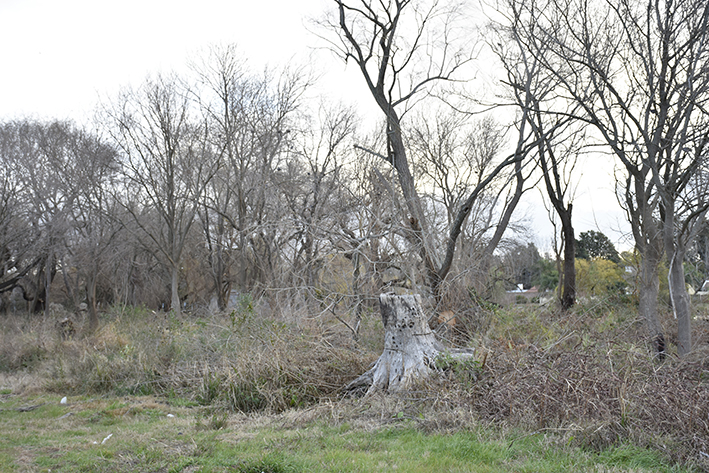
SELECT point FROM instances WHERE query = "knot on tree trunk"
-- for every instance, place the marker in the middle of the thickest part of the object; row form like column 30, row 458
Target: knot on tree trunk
column 410, row 348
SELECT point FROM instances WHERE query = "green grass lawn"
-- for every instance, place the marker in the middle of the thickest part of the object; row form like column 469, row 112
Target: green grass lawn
column 150, row 434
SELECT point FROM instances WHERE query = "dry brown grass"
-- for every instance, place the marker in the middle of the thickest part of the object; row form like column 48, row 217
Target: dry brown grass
column 234, row 362
column 588, row 376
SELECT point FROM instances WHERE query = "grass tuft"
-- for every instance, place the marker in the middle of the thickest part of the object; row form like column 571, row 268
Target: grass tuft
column 271, row 464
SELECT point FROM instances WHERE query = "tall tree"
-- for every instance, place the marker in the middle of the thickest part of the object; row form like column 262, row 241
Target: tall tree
column 95, row 227
column 533, row 91
column 403, row 50
column 167, row 162
column 221, row 74
column 250, row 116
column 51, row 162
column 315, row 189
column 19, row 232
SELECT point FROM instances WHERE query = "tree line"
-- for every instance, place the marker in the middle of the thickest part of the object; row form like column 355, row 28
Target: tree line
column 189, row 188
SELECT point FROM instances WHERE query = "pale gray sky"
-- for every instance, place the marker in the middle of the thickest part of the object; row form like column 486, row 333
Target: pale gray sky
column 57, row 56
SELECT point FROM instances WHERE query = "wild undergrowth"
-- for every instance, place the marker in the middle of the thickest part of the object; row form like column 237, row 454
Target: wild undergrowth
column 235, row 361
column 585, row 379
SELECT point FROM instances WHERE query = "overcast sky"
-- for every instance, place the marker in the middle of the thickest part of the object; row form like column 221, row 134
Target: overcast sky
column 59, row 57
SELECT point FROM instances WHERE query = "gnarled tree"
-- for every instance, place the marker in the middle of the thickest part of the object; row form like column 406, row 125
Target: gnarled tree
column 404, row 49
column 411, row 351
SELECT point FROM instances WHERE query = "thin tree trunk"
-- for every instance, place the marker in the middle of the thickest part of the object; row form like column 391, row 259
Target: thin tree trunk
column 680, row 302
column 485, row 261
column 568, row 297
column 357, row 292
column 675, row 250
column 506, row 217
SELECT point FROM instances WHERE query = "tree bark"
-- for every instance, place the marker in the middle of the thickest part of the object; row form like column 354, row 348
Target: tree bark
column 680, row 302
column 175, row 296
column 418, row 222
column 649, row 289
column 568, row 297
column 410, row 348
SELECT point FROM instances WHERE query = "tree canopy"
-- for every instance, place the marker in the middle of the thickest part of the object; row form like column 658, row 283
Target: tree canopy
column 592, row 244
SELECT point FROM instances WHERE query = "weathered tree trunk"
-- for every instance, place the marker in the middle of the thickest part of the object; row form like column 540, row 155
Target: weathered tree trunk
column 410, row 348
column 418, row 222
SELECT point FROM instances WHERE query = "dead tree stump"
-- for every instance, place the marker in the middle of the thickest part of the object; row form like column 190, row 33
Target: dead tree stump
column 410, row 348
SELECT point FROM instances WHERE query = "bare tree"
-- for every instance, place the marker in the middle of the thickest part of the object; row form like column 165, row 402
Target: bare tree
column 49, row 161
column 315, row 189
column 368, row 232
column 403, row 49
column 19, row 236
column 167, row 162
column 250, row 117
column 535, row 92
column 453, row 155
column 95, row 227
column 222, row 75
column 556, row 164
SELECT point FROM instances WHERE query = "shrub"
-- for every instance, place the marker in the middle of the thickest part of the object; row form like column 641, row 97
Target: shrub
column 599, row 277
